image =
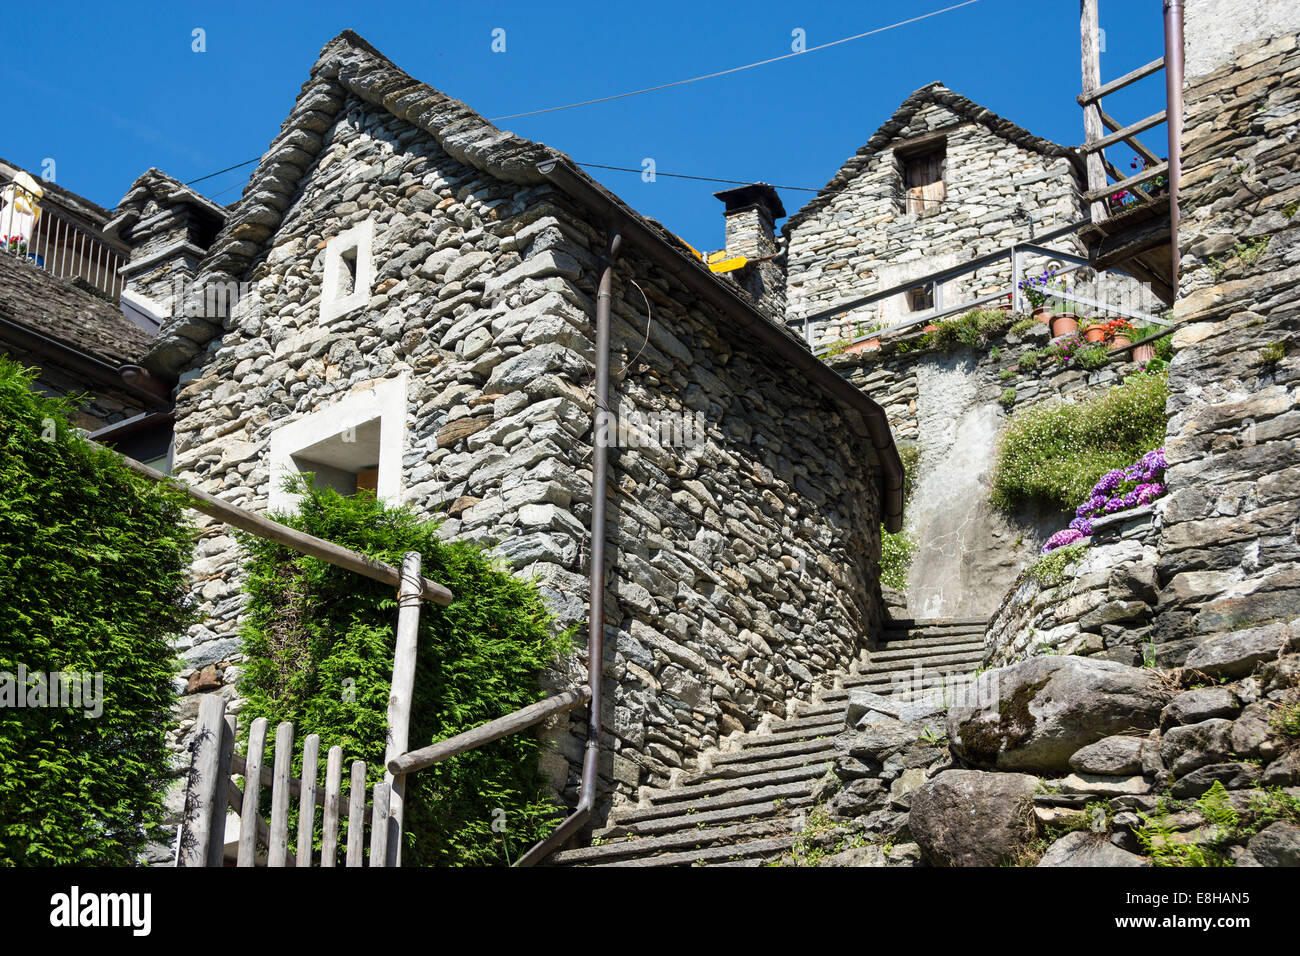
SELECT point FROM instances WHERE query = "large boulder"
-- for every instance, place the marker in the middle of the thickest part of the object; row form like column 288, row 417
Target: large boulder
column 972, row 818
column 1082, row 848
column 1034, row 715
column 1185, row 748
column 1278, row 844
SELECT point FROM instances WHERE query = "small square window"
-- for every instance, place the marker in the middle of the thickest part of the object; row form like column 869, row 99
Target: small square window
column 353, row 445
column 349, row 272
column 920, row 299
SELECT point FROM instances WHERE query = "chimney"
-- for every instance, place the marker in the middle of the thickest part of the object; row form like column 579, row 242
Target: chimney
column 750, row 215
column 169, row 228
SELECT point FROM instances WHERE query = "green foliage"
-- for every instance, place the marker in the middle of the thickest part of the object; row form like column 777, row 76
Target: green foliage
column 1007, row 398
column 319, row 646
column 971, row 329
column 1286, row 717
column 1007, row 374
column 1290, row 209
column 838, row 347
column 1028, row 360
column 93, row 569
column 1272, row 354
column 1021, row 326
column 896, row 552
column 1054, row 453
column 1049, row 569
column 1159, row 839
column 1245, row 252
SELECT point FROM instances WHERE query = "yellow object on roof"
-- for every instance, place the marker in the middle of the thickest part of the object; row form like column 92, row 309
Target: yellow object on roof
column 727, row 265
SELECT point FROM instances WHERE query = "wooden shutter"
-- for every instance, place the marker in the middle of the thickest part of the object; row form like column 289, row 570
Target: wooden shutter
column 924, row 181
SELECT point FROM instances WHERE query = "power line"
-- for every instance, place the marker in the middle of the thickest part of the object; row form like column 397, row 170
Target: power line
column 809, row 189
column 694, row 79
column 737, row 69
column 220, row 171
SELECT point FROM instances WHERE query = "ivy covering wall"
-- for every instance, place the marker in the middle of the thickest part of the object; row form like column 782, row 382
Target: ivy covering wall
column 318, row 644
column 93, row 565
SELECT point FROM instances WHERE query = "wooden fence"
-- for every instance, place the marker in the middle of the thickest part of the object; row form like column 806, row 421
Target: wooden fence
column 216, row 773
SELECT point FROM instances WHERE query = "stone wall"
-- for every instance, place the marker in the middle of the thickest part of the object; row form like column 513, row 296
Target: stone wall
column 1101, row 606
column 1229, row 554
column 951, row 405
column 742, row 561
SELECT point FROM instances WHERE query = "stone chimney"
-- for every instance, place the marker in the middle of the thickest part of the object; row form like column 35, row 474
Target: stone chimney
column 169, row 228
column 751, row 213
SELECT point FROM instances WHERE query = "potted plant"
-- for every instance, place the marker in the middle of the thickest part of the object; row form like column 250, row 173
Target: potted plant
column 1117, row 333
column 1095, row 331
column 1038, row 291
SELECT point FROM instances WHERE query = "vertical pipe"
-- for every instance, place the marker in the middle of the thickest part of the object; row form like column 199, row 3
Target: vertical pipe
column 1174, row 124
column 409, row 597
column 596, row 602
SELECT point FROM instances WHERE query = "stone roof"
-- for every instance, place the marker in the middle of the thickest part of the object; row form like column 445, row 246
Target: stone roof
column 932, row 93
column 62, row 310
column 155, row 185
column 347, row 64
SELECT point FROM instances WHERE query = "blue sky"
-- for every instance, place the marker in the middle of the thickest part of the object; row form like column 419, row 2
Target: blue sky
column 111, row 90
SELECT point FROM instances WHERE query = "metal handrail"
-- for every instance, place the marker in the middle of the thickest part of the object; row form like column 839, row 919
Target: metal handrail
column 65, row 250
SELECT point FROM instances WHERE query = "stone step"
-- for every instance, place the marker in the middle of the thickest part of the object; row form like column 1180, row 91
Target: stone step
column 764, row 748
column 904, row 641
column 732, row 771
column 937, row 623
column 793, row 729
column 760, row 850
column 940, row 663
column 707, row 788
column 731, row 799
column 690, row 817
column 892, row 655
column 689, row 839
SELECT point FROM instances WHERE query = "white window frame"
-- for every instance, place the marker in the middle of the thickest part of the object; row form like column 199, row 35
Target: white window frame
column 385, row 402
column 359, row 239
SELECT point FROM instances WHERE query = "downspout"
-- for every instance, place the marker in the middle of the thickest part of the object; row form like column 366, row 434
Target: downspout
column 1174, row 124
column 596, row 602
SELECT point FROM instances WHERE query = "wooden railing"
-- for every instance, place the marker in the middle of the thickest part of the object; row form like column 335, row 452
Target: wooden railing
column 214, row 764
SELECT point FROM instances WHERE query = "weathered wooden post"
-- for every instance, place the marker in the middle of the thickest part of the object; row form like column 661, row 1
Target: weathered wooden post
column 401, row 691
column 204, row 818
column 1092, row 128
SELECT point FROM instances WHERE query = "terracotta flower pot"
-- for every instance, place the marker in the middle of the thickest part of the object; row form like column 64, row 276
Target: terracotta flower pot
column 930, row 328
column 1063, row 323
column 1144, row 353
column 1094, row 332
column 862, row 346
column 1119, row 341
column 1043, row 314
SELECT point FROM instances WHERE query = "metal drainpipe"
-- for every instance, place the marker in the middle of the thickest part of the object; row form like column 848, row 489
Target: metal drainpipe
column 1174, row 122
column 596, row 602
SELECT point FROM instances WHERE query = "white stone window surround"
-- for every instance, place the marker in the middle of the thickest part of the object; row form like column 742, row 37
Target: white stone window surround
column 352, row 434
column 349, row 271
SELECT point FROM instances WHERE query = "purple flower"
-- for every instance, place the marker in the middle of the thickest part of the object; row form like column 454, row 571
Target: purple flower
column 1082, row 525
column 1062, row 538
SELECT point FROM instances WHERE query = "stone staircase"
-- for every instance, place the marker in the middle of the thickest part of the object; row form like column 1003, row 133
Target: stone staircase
column 745, row 807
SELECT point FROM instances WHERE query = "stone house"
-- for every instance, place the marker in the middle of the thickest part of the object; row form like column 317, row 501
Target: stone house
column 416, row 315
column 942, row 181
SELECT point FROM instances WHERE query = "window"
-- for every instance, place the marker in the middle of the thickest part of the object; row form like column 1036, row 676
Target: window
column 349, row 271
column 923, row 180
column 354, row 444
column 920, row 299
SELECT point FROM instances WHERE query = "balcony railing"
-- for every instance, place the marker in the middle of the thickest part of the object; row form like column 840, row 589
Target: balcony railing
column 54, row 242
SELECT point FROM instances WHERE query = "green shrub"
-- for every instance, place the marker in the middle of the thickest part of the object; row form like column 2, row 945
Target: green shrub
column 318, row 642
column 1007, row 398
column 971, row 329
column 1054, row 453
column 1021, row 326
column 93, row 570
column 1049, row 569
column 895, row 558
column 1272, row 354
